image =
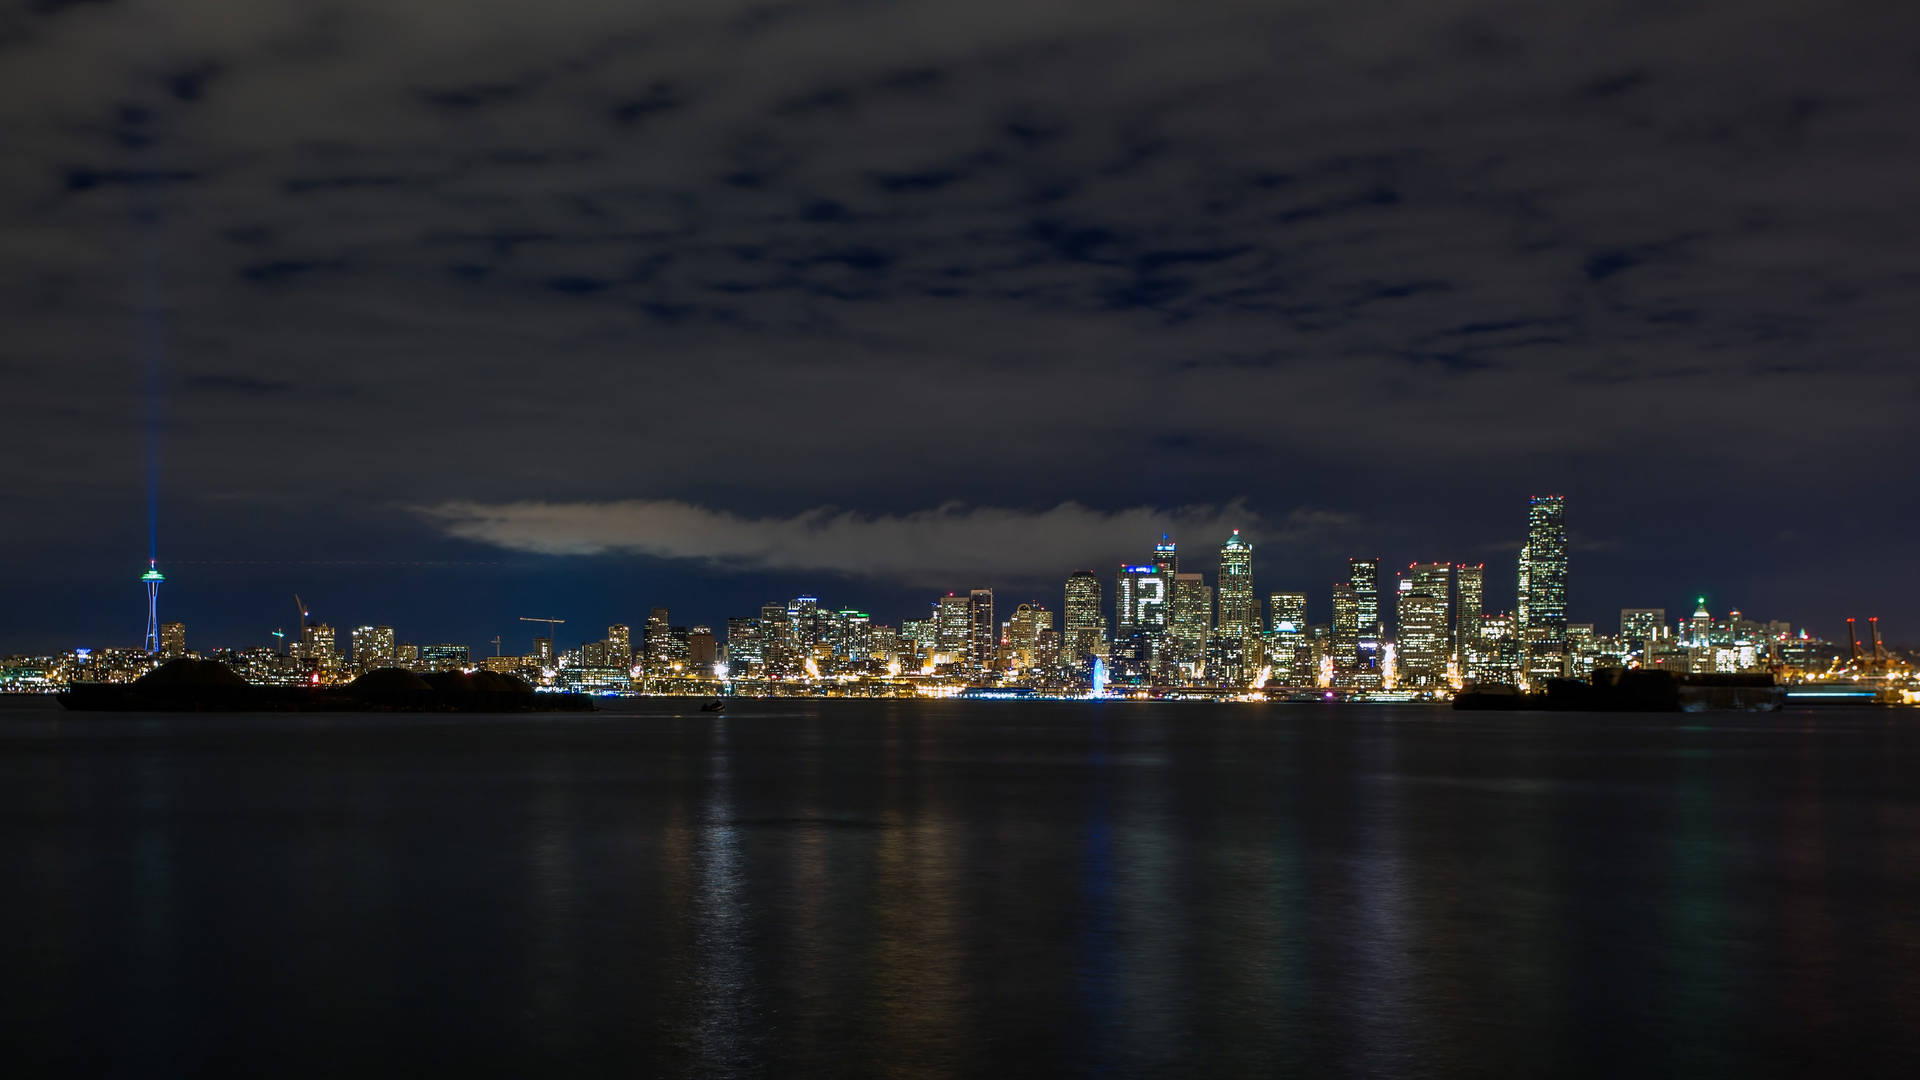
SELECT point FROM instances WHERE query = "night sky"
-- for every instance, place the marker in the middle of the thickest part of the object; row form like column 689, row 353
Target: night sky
column 444, row 313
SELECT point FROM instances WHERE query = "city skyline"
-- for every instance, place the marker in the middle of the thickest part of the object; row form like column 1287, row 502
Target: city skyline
column 1428, row 642
column 1377, row 605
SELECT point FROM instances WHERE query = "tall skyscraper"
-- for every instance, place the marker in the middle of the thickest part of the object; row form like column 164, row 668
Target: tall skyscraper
column 1190, row 620
column 1025, row 632
column 173, row 639
column 658, row 638
column 745, row 653
column 1166, row 556
column 1345, row 632
column 1083, row 625
column 1421, row 623
column 1139, row 600
column 1364, row 576
column 702, row 651
column 1239, row 617
column 619, row 645
column 955, row 625
column 776, row 645
column 803, row 630
column 1469, row 603
column 1543, row 569
column 1288, row 640
column 983, row 635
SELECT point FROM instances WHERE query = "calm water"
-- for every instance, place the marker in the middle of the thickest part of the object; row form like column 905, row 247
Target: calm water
column 932, row 889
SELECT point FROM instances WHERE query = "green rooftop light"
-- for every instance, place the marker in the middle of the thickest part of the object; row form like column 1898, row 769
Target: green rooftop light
column 153, row 575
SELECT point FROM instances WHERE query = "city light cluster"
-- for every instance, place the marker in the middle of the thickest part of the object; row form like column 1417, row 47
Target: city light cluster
column 1163, row 630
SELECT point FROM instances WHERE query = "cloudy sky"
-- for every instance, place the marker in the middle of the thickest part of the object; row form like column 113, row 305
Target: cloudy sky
column 443, row 313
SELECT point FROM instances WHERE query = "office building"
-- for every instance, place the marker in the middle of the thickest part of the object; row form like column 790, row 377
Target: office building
column 1026, row 633
column 1189, row 622
column 1289, row 640
column 1239, row 617
column 703, row 651
column 1469, row 602
column 372, row 647
column 657, row 639
column 1083, row 626
column 982, row 636
column 1139, row 600
column 955, row 616
column 744, row 653
column 1543, row 570
column 441, row 657
column 1421, row 622
column 1166, row 556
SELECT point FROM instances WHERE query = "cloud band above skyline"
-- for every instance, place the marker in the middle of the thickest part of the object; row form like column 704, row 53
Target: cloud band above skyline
column 949, row 544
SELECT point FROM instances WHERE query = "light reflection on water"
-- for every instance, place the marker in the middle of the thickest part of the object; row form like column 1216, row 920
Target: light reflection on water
column 950, row 888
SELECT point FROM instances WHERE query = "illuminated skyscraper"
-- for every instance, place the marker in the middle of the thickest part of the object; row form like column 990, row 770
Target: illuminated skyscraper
column 745, row 654
column 853, row 638
column 1239, row 617
column 1543, row 569
column 983, row 633
column 1288, row 640
column 1346, row 633
column 776, row 645
column 702, row 651
column 173, row 639
column 372, row 647
column 1190, row 620
column 1166, row 556
column 619, row 645
column 1364, row 576
column 1469, row 603
column 317, row 645
column 1083, row 624
column 1139, row 600
column 658, row 638
column 1025, row 632
column 955, row 627
column 1421, row 623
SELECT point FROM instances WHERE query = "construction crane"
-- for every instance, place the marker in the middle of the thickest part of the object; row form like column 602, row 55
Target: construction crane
column 303, row 614
column 496, row 644
column 553, row 635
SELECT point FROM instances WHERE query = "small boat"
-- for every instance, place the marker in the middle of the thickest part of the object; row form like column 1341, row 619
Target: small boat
column 716, row 705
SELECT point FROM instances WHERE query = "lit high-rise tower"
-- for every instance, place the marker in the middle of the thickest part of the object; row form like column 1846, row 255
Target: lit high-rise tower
column 1084, row 627
column 1239, row 618
column 1166, row 556
column 153, row 577
column 1469, row 603
column 1543, row 569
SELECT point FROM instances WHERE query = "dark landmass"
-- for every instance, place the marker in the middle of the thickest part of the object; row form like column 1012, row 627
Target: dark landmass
column 209, row 686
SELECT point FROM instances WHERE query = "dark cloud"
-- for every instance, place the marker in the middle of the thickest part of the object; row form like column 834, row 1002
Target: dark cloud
column 760, row 259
